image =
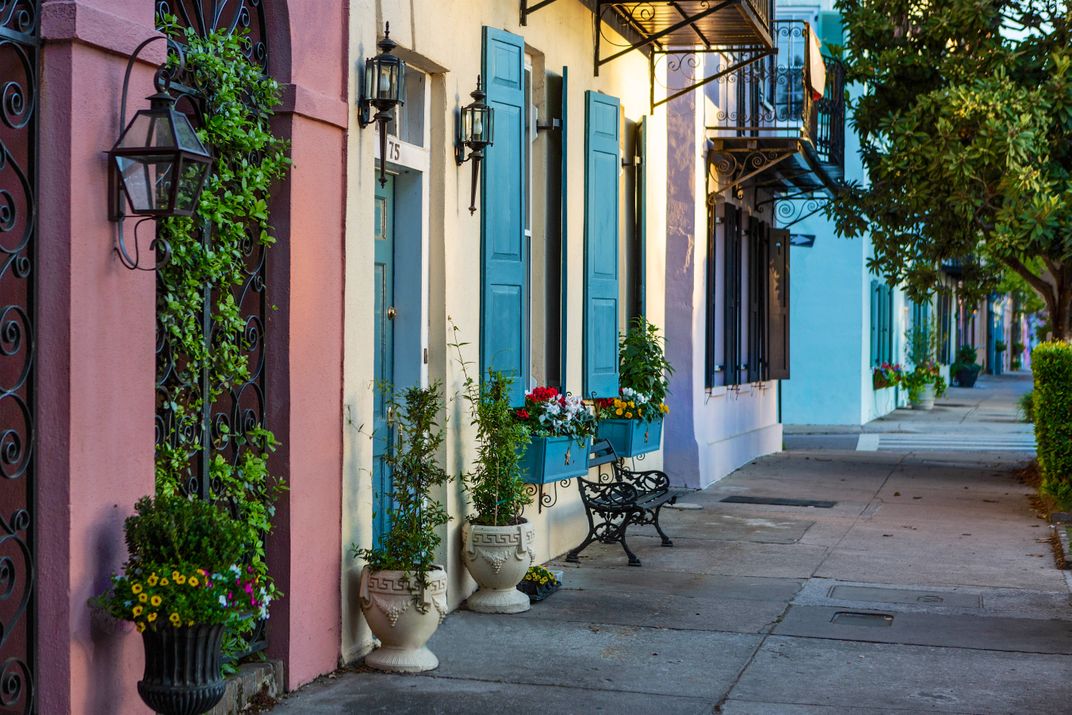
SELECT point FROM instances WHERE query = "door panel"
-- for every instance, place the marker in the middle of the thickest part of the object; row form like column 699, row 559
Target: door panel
column 383, row 362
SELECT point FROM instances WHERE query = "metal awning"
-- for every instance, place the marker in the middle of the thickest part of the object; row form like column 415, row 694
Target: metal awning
column 675, row 28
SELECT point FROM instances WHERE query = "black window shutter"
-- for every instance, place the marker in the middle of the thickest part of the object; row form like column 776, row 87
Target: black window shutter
column 709, row 342
column 732, row 296
column 778, row 304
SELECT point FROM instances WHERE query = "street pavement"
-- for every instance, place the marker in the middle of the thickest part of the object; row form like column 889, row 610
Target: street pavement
column 927, row 586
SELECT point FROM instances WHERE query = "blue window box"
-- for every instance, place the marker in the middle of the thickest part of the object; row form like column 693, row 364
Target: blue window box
column 549, row 459
column 632, row 437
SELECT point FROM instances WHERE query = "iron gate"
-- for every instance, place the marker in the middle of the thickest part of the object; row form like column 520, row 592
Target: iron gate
column 241, row 408
column 19, row 45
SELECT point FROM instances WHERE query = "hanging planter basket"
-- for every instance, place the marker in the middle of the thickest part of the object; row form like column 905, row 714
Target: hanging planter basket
column 182, row 669
column 550, row 459
column 632, row 437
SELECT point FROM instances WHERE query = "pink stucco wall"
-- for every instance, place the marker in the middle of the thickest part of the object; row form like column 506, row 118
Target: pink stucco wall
column 95, row 362
column 305, row 336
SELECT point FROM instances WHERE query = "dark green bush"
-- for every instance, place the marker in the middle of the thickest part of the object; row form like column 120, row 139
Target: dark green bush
column 1052, row 407
column 175, row 530
column 1027, row 406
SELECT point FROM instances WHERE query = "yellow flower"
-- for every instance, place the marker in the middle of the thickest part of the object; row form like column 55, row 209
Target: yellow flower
column 618, row 411
column 175, row 620
column 175, row 575
column 151, row 617
column 632, row 404
column 136, row 587
column 140, row 626
column 189, row 623
column 153, row 579
column 137, row 611
column 143, row 597
column 193, row 581
column 629, row 415
column 179, row 579
column 156, row 601
column 164, row 581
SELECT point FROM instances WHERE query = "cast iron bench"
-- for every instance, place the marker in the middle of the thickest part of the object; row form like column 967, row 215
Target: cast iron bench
column 621, row 498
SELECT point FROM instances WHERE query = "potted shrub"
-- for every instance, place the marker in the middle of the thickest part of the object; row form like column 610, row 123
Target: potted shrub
column 924, row 383
column 497, row 540
column 403, row 592
column 887, row 375
column 183, row 586
column 966, row 370
column 633, row 421
column 560, row 429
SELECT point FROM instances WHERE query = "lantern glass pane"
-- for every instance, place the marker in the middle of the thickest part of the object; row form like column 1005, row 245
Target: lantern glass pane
column 467, row 124
column 148, row 129
column 489, row 126
column 187, row 136
column 147, row 181
column 193, row 177
column 386, row 82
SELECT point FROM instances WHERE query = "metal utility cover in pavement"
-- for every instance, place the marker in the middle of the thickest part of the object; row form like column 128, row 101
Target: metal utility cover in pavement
column 903, row 595
column 777, row 501
column 871, row 620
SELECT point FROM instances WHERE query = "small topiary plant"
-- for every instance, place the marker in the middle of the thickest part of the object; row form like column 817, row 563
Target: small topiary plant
column 1052, row 409
column 494, row 483
column 414, row 515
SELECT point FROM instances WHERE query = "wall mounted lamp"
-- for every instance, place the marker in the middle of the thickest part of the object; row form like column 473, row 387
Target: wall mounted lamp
column 158, row 167
column 384, row 88
column 477, row 132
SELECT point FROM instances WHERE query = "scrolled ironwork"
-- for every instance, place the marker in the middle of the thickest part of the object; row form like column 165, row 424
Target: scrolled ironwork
column 19, row 50
column 225, row 427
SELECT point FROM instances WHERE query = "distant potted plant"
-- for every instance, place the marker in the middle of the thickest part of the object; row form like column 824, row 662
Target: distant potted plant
column 924, row 383
column 966, row 370
column 1000, row 346
column 403, row 592
column 887, row 375
column 1017, row 354
column 633, row 421
column 183, row 586
column 560, row 429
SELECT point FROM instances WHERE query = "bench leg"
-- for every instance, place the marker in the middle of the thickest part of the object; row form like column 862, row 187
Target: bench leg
column 662, row 534
column 571, row 557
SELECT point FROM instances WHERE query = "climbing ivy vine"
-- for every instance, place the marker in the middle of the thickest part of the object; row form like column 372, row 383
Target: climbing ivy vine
column 237, row 101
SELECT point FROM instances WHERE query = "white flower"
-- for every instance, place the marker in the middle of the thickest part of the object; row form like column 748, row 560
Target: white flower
column 223, row 601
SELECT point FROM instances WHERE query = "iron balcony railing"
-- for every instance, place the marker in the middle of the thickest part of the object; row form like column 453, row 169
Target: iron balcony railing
column 777, row 97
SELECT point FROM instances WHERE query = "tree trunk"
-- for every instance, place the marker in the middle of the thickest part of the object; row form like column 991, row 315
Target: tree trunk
column 1061, row 314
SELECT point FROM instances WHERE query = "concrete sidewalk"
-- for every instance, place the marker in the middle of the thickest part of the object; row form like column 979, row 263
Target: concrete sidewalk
column 927, row 586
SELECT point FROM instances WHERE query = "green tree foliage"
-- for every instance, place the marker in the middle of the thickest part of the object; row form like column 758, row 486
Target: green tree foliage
column 964, row 123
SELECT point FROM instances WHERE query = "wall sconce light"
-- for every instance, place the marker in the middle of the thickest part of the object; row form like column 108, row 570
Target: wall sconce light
column 384, row 88
column 158, row 167
column 476, row 131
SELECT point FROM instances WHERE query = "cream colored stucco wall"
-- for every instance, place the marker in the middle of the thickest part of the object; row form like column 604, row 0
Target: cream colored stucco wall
column 444, row 38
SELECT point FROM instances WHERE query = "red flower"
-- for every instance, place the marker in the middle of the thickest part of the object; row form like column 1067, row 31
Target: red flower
column 522, row 414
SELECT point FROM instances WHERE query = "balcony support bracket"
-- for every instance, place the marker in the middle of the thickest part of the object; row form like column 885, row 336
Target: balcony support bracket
column 530, row 6
column 676, row 58
column 731, row 167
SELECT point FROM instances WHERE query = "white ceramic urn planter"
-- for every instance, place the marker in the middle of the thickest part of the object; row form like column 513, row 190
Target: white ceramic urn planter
column 497, row 557
column 926, row 398
column 402, row 627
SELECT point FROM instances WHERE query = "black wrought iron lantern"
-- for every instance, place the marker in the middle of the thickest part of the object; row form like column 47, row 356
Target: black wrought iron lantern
column 158, row 164
column 384, row 87
column 477, row 132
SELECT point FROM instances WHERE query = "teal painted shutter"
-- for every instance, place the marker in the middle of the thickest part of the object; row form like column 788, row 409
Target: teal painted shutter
column 874, row 323
column 504, row 328
column 601, row 165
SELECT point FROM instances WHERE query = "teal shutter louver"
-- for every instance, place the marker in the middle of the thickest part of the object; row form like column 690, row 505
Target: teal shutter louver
column 602, row 162
column 504, row 319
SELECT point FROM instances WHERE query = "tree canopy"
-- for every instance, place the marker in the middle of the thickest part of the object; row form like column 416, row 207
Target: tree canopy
column 964, row 120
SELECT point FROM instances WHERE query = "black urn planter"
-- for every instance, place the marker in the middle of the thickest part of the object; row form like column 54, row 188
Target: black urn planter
column 966, row 376
column 182, row 669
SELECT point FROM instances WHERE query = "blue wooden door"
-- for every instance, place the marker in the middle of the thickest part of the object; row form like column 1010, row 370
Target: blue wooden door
column 504, row 320
column 383, row 362
column 602, row 162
